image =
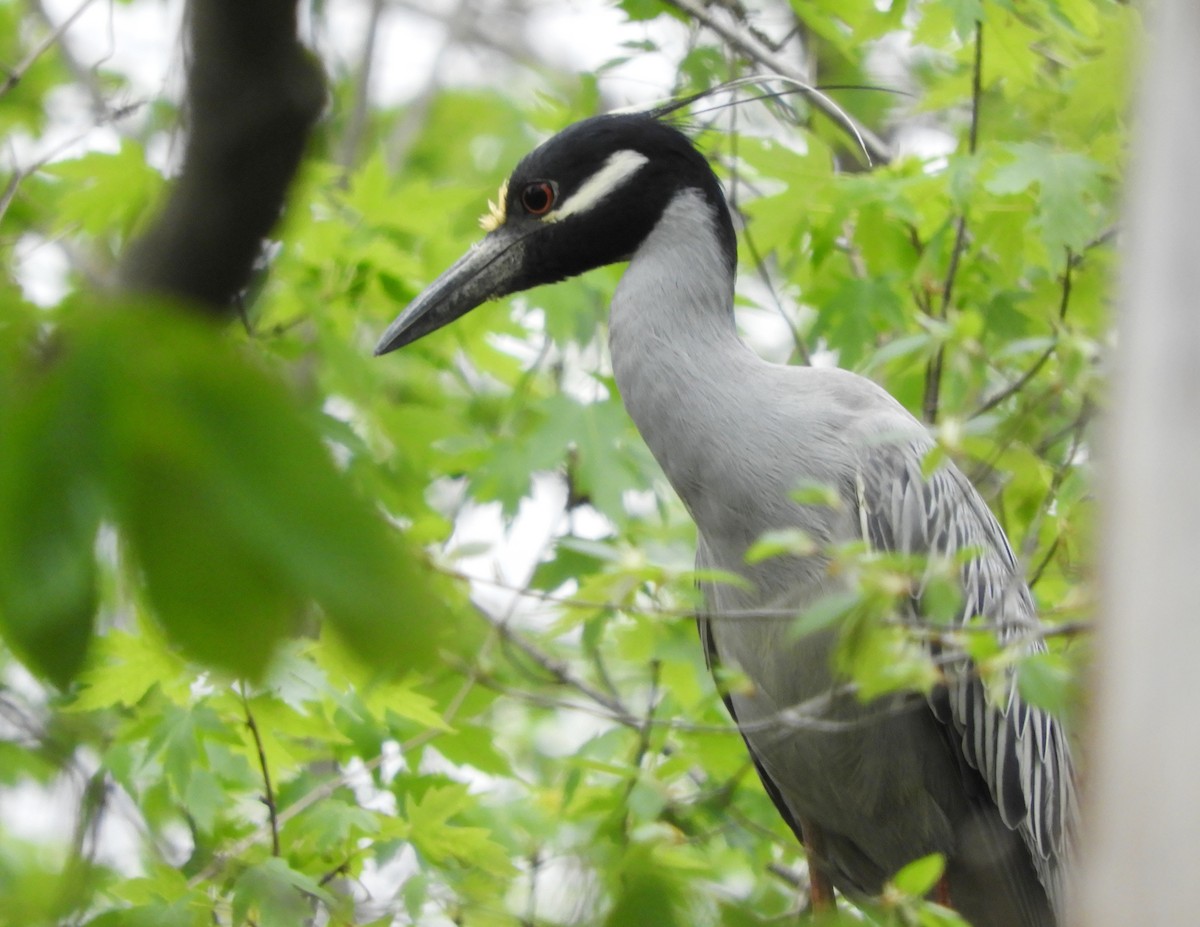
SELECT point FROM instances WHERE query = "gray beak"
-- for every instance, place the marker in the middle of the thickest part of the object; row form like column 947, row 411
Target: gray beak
column 492, row 268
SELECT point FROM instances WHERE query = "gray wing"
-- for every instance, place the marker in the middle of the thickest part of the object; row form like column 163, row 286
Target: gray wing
column 1020, row 751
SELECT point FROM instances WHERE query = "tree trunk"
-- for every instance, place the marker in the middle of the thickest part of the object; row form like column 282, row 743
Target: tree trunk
column 1143, row 787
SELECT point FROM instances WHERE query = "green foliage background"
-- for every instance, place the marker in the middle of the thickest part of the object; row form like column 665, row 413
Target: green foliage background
column 226, row 557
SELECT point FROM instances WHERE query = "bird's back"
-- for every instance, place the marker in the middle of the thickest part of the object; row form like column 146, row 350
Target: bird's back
column 888, row 781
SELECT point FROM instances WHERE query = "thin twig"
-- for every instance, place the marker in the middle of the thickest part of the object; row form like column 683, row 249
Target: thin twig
column 876, row 149
column 85, row 75
column 1051, row 494
column 933, row 373
column 764, row 275
column 1086, row 410
column 788, row 876
column 1019, row 384
column 85, row 842
column 342, row 868
column 535, row 867
column 602, row 672
column 360, row 112
column 269, row 799
column 645, row 730
column 326, row 789
column 559, row 670
column 1036, row 575
column 20, row 173
column 16, row 74
column 812, row 714
column 765, row 612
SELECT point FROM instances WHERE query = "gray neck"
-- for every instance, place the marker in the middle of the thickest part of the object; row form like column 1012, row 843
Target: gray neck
column 676, row 354
column 678, row 290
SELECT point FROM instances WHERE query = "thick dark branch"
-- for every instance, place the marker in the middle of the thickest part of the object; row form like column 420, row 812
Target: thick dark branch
column 253, row 95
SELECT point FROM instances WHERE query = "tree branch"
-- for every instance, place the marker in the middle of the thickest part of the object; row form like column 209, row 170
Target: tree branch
column 16, row 74
column 933, row 373
column 1019, row 384
column 749, row 46
column 253, row 94
column 360, row 113
column 326, row 789
column 269, row 796
column 84, row 75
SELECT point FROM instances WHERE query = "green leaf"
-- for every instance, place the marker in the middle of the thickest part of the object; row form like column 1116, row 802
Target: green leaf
column 920, row 876
column 966, row 14
column 102, row 193
column 1069, row 187
column 809, row 493
column 933, row 915
column 826, row 612
column 50, row 509
column 428, row 827
column 332, row 822
column 232, row 507
column 275, row 895
column 125, row 667
column 567, row 563
column 1045, row 680
column 853, row 311
column 643, row 10
column 647, row 894
column 178, row 914
column 785, row 541
column 597, row 433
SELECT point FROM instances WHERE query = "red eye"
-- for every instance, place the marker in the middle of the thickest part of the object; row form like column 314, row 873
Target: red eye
column 538, row 198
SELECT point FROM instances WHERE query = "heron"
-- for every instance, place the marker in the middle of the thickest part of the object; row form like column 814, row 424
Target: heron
column 985, row 781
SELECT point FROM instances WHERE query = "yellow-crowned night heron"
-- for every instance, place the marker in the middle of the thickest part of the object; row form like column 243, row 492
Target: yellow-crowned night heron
column 989, row 785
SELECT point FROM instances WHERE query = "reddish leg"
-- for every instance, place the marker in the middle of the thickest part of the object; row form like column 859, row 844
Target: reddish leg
column 820, row 889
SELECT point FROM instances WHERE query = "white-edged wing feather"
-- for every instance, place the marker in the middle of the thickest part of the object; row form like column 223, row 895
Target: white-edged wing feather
column 1020, row 750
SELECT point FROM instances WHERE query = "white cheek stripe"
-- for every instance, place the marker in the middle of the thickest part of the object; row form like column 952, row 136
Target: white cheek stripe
column 620, row 166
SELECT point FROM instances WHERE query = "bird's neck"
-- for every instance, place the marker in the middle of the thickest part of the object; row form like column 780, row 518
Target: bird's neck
column 676, row 354
column 678, row 290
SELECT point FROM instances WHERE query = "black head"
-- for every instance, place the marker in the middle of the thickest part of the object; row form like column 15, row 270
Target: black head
column 585, row 198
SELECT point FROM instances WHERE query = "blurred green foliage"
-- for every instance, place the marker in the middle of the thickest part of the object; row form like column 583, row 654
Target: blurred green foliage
column 227, row 556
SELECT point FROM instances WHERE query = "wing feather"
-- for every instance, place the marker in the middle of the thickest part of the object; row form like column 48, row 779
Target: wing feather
column 1020, row 751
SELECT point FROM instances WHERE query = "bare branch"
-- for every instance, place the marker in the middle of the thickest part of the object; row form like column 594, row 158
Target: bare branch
column 360, row 113
column 84, row 75
column 933, row 373
column 560, row 672
column 269, row 793
column 753, row 49
column 1019, row 384
column 16, row 74
column 20, row 173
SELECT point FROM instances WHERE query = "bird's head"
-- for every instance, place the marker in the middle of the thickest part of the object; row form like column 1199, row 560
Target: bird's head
column 585, row 198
